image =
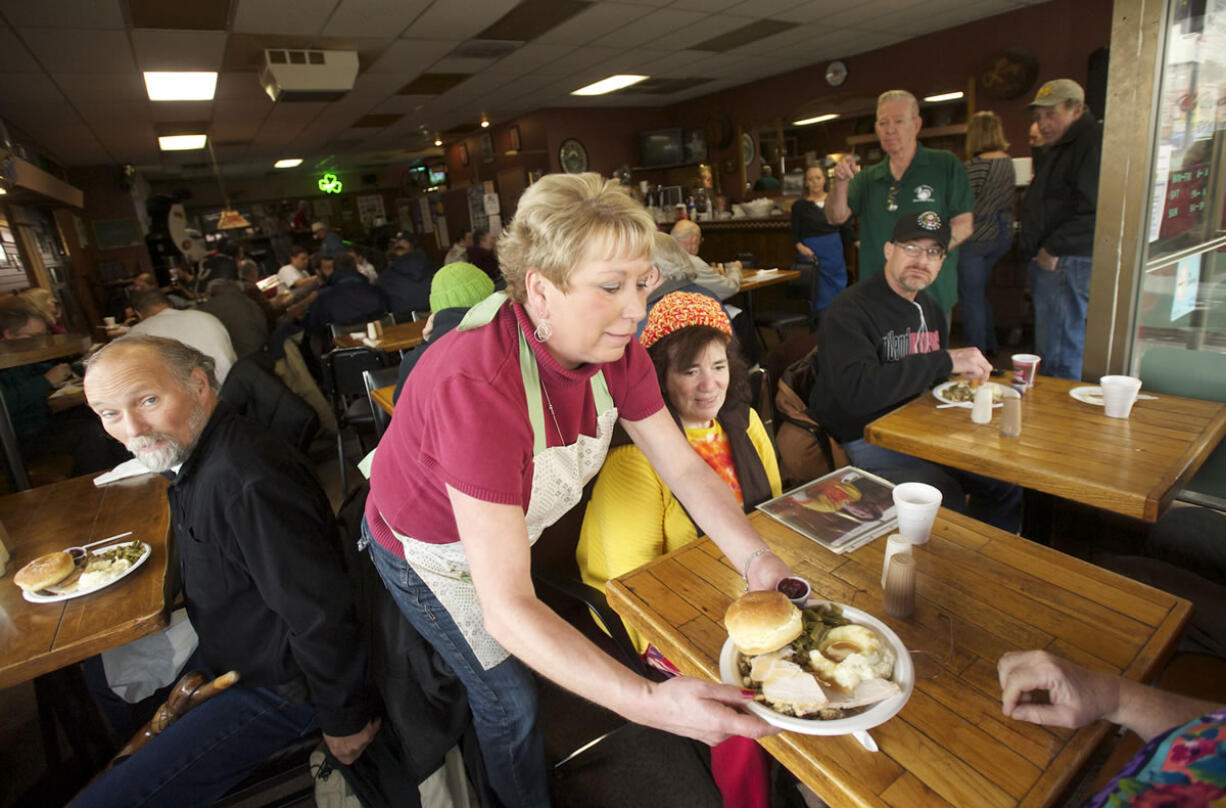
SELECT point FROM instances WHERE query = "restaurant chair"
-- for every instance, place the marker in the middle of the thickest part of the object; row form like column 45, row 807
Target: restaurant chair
column 761, row 397
column 340, row 329
column 780, row 321
column 402, row 317
column 373, row 380
column 343, row 369
column 1193, row 374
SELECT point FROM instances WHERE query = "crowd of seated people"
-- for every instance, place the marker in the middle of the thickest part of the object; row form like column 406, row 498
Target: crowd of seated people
column 604, row 354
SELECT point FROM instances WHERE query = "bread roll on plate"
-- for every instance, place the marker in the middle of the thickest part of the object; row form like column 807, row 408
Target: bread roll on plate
column 44, row 571
column 763, row 621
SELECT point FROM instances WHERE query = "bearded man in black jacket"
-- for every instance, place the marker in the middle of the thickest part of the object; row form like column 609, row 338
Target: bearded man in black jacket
column 881, row 343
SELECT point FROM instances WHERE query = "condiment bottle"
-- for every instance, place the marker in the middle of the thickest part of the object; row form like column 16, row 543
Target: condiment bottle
column 981, row 410
column 1011, row 414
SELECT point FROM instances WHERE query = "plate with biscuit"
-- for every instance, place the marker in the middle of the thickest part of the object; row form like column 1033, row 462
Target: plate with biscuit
column 57, row 576
column 829, row 669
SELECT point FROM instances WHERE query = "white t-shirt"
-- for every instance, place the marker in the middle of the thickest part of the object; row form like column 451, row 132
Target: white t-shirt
column 288, row 274
column 199, row 329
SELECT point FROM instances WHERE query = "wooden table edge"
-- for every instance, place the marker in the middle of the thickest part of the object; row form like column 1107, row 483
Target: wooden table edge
column 53, row 660
column 1210, row 436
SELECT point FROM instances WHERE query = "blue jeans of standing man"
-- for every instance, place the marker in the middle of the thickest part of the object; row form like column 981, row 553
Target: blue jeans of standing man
column 200, row 757
column 1061, row 299
column 503, row 698
column 993, row 501
column 976, row 259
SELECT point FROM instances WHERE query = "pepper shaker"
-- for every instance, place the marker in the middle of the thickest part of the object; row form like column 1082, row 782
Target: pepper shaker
column 900, row 586
column 1011, row 415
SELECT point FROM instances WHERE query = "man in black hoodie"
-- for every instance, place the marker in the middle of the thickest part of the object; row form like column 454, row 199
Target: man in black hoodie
column 881, row 343
column 1058, row 224
column 406, row 280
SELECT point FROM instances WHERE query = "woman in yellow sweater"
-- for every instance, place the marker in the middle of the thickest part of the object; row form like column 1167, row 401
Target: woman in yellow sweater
column 633, row 517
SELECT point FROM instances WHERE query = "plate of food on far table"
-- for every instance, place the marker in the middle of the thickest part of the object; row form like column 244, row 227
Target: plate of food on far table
column 58, row 576
column 962, row 394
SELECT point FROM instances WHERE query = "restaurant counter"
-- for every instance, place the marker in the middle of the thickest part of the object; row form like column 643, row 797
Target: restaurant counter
column 770, row 240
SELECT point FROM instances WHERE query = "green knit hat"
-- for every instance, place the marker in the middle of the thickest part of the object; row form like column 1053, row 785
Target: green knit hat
column 459, row 285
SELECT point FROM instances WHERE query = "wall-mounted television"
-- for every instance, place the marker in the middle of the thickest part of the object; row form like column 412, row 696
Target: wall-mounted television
column 438, row 175
column 662, row 147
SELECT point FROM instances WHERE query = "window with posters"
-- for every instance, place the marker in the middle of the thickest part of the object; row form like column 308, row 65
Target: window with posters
column 1182, row 294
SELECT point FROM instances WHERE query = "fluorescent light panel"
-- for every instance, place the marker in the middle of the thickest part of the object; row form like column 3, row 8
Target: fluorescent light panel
column 830, row 116
column 181, row 86
column 611, row 84
column 944, row 97
column 289, row 162
column 180, row 142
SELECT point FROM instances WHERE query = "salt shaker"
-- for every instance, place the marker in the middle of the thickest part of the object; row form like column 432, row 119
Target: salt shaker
column 1011, row 415
column 981, row 410
column 900, row 586
column 895, row 544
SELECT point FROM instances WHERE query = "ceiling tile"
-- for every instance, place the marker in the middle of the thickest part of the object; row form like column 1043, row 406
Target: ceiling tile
column 568, row 64
column 182, row 111
column 103, row 113
column 94, row 14
column 178, row 50
column 459, row 64
column 377, row 84
column 594, row 22
column 449, row 20
column 709, row 6
column 21, row 92
column 530, row 57
column 14, row 56
column 765, row 8
column 712, row 27
column 402, row 103
column 97, row 88
column 76, row 50
column 373, row 18
column 408, row 57
column 657, row 24
column 239, row 129
column 198, row 15
column 673, row 63
column 241, row 88
column 274, row 17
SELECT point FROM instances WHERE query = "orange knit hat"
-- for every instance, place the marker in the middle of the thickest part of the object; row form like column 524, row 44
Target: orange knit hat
column 682, row 309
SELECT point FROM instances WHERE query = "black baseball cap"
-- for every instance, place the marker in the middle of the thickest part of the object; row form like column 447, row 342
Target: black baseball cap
column 922, row 224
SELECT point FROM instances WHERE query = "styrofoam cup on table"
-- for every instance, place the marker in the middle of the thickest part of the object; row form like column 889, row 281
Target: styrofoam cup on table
column 916, row 505
column 1119, row 394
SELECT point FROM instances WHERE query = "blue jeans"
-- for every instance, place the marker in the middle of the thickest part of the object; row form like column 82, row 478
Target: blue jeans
column 200, row 757
column 976, row 259
column 832, row 269
column 992, row 501
column 503, row 698
column 1061, row 298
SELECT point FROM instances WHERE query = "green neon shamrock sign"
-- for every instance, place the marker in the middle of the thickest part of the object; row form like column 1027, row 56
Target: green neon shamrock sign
column 330, row 184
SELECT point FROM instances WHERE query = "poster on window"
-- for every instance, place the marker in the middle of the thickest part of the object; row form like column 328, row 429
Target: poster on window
column 1187, row 282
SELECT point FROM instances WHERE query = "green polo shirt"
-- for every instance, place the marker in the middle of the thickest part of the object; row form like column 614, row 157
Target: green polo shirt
column 935, row 180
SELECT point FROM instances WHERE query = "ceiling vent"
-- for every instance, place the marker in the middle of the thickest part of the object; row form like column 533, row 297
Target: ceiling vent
column 308, row 75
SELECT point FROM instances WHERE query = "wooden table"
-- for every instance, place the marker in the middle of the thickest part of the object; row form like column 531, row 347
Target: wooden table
column 1067, row 448
column 382, row 396
column 37, row 638
column 950, row 745
column 751, row 282
column 395, row 338
column 27, row 351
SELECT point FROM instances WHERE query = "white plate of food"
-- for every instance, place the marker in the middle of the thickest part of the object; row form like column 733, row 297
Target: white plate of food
column 961, row 394
column 101, row 568
column 866, row 711
column 1088, row 394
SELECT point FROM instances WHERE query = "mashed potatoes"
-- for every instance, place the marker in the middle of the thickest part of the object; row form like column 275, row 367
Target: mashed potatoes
column 850, row 655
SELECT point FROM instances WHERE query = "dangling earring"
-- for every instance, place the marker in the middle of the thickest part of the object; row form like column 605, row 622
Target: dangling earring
column 543, row 331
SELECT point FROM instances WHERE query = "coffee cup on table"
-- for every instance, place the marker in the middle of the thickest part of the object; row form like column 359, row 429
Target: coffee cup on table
column 1119, row 394
column 916, row 506
column 109, row 322
column 1025, row 367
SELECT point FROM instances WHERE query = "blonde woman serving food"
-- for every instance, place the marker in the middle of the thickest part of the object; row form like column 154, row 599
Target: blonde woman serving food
column 498, row 428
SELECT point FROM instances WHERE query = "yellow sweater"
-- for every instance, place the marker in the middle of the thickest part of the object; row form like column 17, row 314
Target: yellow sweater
column 633, row 516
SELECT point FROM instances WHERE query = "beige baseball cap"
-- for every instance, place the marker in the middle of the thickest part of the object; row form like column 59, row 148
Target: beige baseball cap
column 1057, row 91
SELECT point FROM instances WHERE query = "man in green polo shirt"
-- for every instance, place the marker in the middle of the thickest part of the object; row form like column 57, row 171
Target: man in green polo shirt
column 911, row 177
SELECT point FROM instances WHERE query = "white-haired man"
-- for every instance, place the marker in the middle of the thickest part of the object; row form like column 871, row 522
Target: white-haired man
column 910, row 177
column 262, row 578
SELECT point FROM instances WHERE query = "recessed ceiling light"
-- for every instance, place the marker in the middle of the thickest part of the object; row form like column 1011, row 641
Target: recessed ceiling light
column 180, row 142
column 438, row 141
column 610, row 84
column 944, row 97
column 288, row 162
column 830, row 116
column 181, row 86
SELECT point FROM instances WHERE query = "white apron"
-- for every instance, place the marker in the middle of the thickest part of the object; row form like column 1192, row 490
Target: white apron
column 558, row 477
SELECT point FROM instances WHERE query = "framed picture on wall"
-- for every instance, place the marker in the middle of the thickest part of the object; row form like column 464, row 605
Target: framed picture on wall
column 463, row 154
column 513, row 138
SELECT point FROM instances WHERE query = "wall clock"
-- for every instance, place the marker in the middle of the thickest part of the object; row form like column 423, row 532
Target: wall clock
column 836, row 73
column 747, row 148
column 572, row 156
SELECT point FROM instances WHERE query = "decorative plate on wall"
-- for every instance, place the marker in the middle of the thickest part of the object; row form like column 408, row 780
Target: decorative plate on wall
column 836, row 73
column 747, row 148
column 1008, row 73
column 572, row 156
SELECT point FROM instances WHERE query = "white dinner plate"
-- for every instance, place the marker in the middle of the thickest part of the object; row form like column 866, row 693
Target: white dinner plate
column 38, row 597
column 939, row 392
column 879, row 713
column 1088, row 394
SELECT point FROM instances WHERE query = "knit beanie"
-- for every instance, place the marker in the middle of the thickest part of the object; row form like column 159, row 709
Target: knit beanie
column 682, row 309
column 459, row 286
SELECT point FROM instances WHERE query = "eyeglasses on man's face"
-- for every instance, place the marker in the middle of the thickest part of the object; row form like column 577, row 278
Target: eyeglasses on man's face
column 914, row 250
